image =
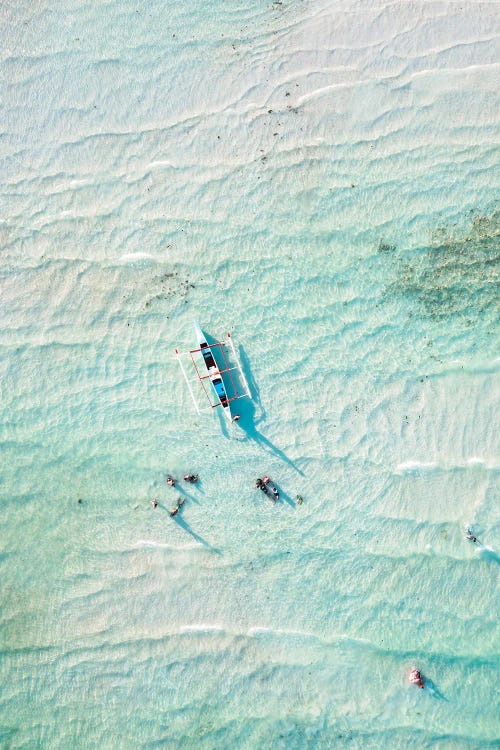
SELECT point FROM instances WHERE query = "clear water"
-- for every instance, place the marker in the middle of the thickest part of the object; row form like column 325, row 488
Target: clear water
column 349, row 241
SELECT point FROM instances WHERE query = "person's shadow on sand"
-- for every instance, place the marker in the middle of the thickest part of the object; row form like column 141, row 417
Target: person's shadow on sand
column 432, row 688
column 487, row 553
column 185, row 526
column 282, row 496
column 182, row 523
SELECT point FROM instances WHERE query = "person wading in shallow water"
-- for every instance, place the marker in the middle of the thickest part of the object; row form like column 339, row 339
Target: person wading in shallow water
column 415, row 677
column 170, row 481
column 263, row 485
column 266, row 481
column 180, row 503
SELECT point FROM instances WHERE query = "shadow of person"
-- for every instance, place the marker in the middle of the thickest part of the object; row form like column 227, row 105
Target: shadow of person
column 434, row 690
column 182, row 523
column 280, row 497
column 247, row 421
column 284, row 496
column 186, row 495
column 487, row 553
column 197, row 486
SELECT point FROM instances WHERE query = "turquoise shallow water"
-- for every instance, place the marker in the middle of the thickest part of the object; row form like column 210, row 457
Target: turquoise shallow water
column 348, row 239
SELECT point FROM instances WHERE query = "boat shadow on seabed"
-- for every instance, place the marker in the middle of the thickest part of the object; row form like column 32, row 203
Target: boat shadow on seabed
column 247, row 421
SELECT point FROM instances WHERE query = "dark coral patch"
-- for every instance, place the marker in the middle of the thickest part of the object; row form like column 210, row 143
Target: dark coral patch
column 456, row 276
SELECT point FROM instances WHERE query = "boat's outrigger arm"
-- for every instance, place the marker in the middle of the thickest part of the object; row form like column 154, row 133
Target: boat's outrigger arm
column 187, row 381
column 215, row 373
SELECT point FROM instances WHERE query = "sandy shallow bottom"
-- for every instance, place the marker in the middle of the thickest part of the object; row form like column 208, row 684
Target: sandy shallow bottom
column 320, row 181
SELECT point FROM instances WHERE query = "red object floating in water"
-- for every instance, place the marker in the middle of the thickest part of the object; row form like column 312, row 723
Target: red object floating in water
column 416, row 678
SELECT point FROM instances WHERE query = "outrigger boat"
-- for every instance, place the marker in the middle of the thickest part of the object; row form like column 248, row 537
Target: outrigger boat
column 215, row 374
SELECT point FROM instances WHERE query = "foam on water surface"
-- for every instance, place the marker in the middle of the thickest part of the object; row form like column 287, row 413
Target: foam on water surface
column 321, row 181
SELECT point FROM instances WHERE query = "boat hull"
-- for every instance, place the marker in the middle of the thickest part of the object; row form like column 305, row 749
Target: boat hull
column 213, row 371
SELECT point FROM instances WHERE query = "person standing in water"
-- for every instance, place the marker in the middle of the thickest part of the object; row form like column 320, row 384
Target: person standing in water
column 416, row 678
column 266, row 481
column 469, row 535
column 180, row 503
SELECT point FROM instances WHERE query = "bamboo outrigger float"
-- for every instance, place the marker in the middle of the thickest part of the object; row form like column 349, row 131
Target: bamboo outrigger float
column 220, row 374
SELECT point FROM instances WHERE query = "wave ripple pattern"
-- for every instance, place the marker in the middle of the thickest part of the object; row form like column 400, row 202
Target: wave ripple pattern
column 321, row 179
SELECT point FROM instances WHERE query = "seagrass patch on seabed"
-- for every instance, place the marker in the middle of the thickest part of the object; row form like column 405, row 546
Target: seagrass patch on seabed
column 454, row 276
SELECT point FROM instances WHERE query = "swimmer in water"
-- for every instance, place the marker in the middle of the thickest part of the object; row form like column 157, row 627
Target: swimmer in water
column 416, row 678
column 180, row 502
column 265, row 489
column 469, row 535
column 270, row 486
